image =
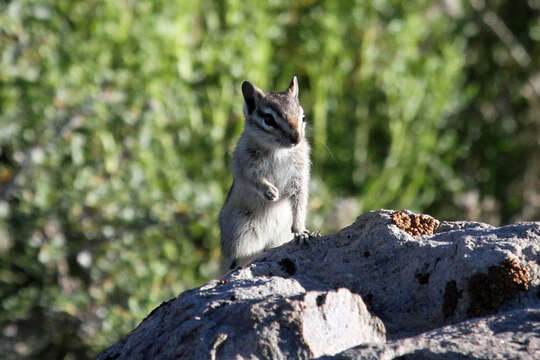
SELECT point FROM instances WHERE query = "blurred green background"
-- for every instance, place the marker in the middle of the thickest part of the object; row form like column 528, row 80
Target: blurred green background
column 118, row 120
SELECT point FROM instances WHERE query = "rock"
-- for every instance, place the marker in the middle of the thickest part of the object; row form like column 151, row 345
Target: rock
column 510, row 335
column 272, row 318
column 428, row 281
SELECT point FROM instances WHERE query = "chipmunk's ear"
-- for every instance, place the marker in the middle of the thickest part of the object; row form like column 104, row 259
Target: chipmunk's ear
column 293, row 88
column 252, row 95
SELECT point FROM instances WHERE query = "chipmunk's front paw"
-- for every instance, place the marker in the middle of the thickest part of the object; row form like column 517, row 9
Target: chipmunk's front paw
column 271, row 192
column 302, row 236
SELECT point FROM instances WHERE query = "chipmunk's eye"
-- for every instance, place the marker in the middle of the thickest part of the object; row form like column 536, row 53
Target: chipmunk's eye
column 269, row 120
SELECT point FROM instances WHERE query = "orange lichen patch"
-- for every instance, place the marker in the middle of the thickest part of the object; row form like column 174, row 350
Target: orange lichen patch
column 502, row 282
column 414, row 224
column 515, row 274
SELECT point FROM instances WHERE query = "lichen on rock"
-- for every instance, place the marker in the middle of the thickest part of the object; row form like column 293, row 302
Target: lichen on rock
column 488, row 291
column 415, row 225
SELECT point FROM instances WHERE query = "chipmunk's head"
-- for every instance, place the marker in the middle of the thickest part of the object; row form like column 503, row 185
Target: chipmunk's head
column 274, row 119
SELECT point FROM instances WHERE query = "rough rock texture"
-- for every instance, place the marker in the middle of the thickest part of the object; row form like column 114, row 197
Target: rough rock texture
column 307, row 300
column 510, row 335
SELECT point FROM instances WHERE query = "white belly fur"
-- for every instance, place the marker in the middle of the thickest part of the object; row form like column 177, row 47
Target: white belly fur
column 258, row 225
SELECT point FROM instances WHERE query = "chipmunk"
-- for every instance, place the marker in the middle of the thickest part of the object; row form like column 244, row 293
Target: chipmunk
column 267, row 202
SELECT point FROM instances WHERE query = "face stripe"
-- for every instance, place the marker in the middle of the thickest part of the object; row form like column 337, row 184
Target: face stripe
column 261, row 114
column 258, row 125
column 273, row 123
column 277, row 111
column 287, row 117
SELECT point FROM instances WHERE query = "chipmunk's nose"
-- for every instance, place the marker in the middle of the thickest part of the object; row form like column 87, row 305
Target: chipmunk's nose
column 295, row 138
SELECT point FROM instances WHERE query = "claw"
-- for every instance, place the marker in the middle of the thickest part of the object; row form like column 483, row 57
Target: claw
column 304, row 236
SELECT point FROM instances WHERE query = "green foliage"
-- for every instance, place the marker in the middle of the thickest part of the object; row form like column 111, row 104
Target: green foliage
column 118, row 120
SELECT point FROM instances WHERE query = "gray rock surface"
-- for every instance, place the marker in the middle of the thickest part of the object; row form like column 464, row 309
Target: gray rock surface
column 434, row 294
column 509, row 335
column 263, row 319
